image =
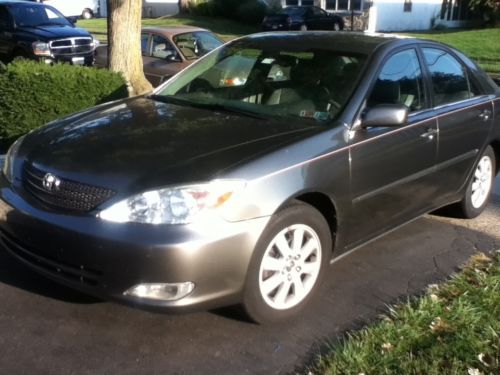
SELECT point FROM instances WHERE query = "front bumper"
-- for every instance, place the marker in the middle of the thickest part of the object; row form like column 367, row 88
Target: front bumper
column 86, row 59
column 106, row 259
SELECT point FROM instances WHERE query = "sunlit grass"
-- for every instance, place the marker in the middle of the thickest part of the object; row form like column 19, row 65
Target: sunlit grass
column 482, row 45
column 226, row 29
column 453, row 329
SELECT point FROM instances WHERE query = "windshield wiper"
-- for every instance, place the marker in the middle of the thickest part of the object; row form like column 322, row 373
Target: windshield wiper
column 212, row 106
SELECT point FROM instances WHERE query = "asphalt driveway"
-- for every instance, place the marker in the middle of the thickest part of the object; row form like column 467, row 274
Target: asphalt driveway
column 48, row 329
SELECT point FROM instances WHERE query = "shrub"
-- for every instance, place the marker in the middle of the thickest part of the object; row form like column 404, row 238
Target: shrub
column 246, row 11
column 32, row 94
column 251, row 12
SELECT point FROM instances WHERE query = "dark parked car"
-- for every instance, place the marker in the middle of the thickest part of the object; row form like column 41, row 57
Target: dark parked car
column 241, row 178
column 168, row 50
column 302, row 18
column 37, row 31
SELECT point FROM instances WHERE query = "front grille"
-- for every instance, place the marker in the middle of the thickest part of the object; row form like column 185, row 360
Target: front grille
column 72, row 46
column 76, row 274
column 68, row 195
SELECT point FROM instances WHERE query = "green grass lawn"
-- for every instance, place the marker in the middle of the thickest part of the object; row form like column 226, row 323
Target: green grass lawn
column 482, row 45
column 453, row 329
column 226, row 29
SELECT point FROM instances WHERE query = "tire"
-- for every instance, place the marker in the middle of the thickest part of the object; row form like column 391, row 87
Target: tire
column 480, row 185
column 303, row 27
column 277, row 269
column 87, row 14
column 337, row 27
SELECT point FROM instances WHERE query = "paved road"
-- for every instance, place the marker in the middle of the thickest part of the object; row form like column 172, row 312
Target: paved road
column 48, row 329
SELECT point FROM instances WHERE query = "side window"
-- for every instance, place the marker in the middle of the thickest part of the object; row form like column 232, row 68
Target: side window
column 144, row 44
column 449, row 80
column 161, row 47
column 400, row 82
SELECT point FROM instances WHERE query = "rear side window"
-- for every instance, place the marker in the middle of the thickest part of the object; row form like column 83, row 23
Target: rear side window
column 400, row 82
column 449, row 78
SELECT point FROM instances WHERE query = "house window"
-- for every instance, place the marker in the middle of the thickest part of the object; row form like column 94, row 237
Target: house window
column 291, row 2
column 307, row 2
column 344, row 5
column 407, row 6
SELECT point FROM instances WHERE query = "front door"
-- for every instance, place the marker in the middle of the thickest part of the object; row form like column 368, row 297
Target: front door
column 392, row 177
column 163, row 62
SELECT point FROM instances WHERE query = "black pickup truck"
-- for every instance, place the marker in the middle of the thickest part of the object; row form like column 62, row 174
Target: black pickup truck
column 37, row 31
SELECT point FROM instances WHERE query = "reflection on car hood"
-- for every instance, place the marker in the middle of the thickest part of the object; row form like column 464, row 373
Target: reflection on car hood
column 50, row 32
column 139, row 143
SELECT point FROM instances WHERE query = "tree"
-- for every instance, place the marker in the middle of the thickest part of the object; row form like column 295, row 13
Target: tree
column 183, row 6
column 124, row 50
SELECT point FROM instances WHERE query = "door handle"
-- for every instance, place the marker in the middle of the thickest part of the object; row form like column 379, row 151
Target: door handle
column 429, row 134
column 485, row 115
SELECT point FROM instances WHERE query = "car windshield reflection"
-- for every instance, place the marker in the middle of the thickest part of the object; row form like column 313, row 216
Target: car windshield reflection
column 312, row 84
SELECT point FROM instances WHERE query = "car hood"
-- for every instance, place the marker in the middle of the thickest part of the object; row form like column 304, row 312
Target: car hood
column 139, row 144
column 54, row 32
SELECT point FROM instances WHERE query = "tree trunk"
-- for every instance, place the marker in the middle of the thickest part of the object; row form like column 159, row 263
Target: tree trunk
column 183, row 6
column 124, row 50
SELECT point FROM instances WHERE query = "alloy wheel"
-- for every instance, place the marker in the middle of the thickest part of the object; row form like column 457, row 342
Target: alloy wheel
column 290, row 266
column 482, row 181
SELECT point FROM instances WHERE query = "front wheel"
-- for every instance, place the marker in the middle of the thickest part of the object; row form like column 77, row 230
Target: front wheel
column 303, row 27
column 480, row 185
column 288, row 264
column 337, row 27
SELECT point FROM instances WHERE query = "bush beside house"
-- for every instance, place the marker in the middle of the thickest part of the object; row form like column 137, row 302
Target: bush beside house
column 32, row 94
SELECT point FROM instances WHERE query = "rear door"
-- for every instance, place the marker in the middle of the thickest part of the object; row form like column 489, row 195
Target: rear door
column 464, row 117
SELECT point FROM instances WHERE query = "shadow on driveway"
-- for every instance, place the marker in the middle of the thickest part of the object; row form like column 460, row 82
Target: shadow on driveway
column 58, row 331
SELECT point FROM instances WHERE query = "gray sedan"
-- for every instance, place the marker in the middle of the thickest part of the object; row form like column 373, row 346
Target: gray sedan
column 240, row 179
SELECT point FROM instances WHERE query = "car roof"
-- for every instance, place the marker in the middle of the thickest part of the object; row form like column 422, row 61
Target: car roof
column 172, row 30
column 356, row 42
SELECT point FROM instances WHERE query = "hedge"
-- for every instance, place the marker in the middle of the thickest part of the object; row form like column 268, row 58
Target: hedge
column 32, row 94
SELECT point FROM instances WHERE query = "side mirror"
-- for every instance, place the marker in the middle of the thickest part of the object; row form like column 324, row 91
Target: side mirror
column 72, row 19
column 385, row 115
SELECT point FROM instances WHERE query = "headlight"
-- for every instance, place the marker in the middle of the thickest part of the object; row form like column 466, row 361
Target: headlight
column 177, row 205
column 41, row 49
column 95, row 42
column 8, row 166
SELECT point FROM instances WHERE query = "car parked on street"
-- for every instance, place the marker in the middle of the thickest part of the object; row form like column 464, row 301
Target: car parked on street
column 36, row 31
column 168, row 50
column 243, row 177
column 302, row 18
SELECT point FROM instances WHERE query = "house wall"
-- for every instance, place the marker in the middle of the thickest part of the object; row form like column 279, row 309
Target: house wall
column 158, row 8
column 389, row 15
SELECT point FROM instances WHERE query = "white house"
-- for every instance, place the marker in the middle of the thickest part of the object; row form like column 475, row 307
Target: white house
column 395, row 15
column 150, row 8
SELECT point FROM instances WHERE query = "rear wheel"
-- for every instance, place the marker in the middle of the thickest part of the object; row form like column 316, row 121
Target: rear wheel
column 303, row 27
column 288, row 264
column 336, row 26
column 480, row 185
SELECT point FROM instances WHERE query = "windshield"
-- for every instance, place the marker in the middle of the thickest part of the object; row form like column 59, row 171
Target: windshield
column 35, row 15
column 312, row 84
column 196, row 44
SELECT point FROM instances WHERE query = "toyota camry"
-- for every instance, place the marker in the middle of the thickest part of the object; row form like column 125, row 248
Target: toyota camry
column 239, row 180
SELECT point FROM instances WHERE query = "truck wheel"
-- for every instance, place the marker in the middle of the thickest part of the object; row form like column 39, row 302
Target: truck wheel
column 87, row 14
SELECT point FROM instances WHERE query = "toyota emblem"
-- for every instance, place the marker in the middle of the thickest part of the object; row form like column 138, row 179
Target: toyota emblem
column 51, row 182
